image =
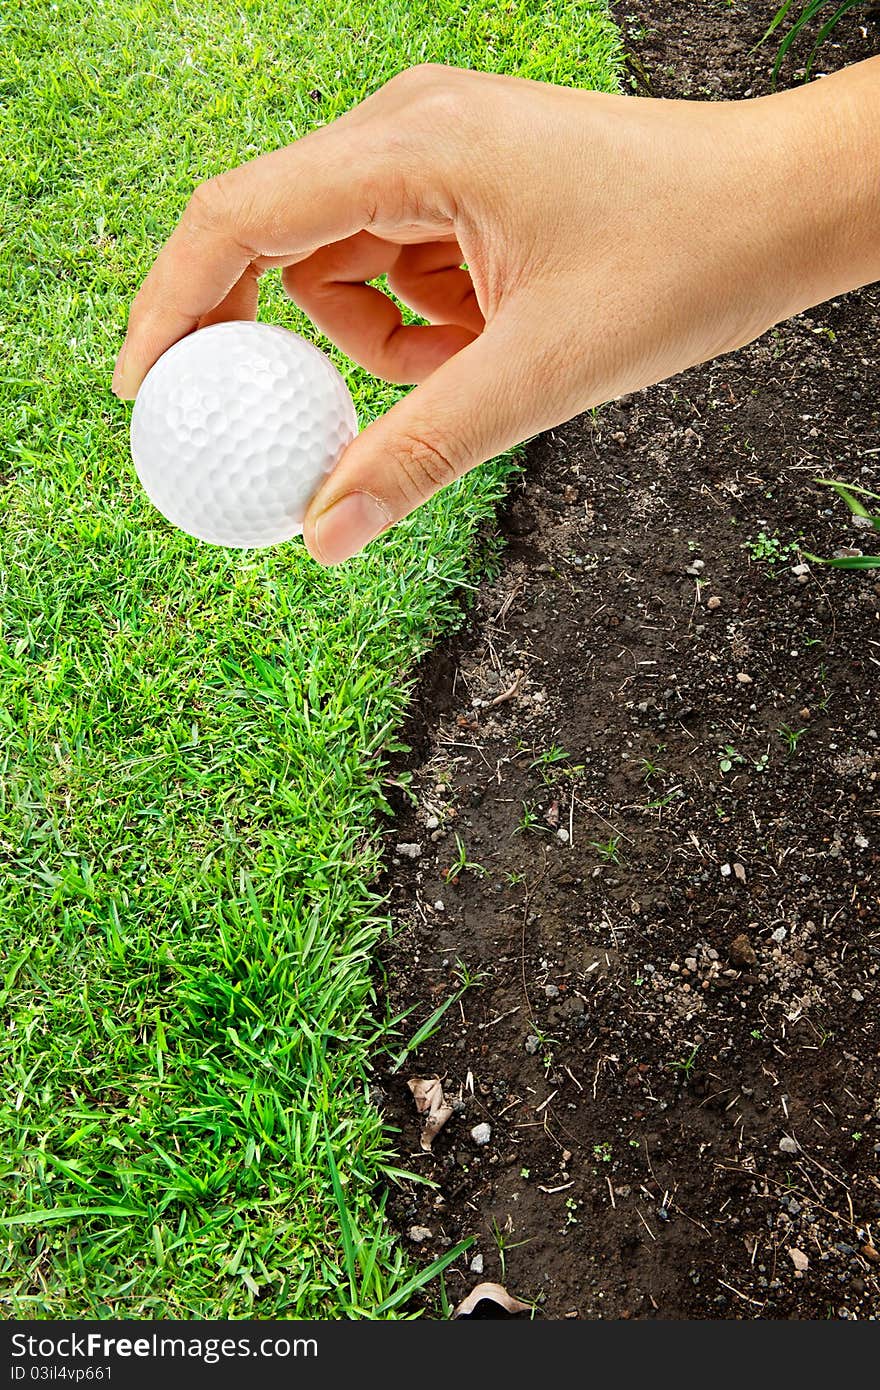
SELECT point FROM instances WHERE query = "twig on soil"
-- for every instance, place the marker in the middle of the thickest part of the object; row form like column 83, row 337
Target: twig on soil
column 490, row 1023
column 745, row 1298
column 505, row 607
column 545, row 1103
column 645, row 1224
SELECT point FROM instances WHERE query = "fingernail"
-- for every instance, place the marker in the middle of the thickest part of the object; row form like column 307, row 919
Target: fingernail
column 346, row 527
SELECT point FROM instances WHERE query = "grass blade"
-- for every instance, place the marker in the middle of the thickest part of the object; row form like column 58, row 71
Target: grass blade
column 425, row 1276
column 345, row 1227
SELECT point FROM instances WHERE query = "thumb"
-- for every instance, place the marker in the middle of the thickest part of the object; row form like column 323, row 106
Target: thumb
column 478, row 403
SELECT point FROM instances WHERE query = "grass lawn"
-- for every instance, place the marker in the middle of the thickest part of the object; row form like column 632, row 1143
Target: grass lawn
column 192, row 740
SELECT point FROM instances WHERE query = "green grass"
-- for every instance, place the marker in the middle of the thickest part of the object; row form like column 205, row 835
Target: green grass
column 192, row 742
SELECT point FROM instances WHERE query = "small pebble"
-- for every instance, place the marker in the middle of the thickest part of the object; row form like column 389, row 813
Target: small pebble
column 409, row 851
column 551, row 991
column 799, row 1259
column 532, row 1044
column 432, row 822
column 481, row 1134
column 778, row 935
column 713, row 602
column 787, row 1145
column 439, row 905
column 419, row 1234
column 744, row 678
column 476, row 1265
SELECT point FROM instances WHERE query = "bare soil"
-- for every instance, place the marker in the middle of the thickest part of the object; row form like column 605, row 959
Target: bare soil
column 639, row 814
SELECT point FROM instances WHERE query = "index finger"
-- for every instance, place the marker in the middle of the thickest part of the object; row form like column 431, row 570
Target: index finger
column 273, row 210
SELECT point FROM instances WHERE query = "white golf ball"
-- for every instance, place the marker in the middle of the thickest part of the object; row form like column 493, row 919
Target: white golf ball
column 234, row 429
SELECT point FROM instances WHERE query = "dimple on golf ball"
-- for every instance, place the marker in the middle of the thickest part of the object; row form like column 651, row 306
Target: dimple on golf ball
column 235, row 427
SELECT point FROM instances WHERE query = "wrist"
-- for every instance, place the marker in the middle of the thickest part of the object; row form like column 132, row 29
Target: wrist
column 822, row 184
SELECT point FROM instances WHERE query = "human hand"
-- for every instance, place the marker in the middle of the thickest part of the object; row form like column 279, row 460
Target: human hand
column 609, row 242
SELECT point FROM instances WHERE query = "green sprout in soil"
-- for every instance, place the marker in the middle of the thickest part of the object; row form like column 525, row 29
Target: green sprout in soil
column 571, row 1206
column 790, row 737
column 770, row 550
column 467, row 979
column 607, row 849
column 531, row 821
column 651, row 769
column 729, row 756
column 553, row 754
column 659, row 802
column 810, row 10
column 857, row 508
column 504, row 1243
column 462, row 864
column 603, row 1151
column 686, row 1064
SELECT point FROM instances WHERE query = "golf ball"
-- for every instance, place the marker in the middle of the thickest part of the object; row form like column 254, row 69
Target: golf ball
column 234, row 429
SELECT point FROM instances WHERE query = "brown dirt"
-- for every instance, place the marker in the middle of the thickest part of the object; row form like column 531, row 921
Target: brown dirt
column 607, row 750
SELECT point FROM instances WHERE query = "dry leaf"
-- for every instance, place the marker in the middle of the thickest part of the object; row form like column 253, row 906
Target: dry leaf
column 496, row 1293
column 427, row 1092
column 551, row 815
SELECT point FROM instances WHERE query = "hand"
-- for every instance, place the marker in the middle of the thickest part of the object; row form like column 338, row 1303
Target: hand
column 566, row 247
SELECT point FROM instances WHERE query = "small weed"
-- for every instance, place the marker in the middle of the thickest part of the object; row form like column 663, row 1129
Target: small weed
column 531, row 822
column 602, row 1151
column 553, row 754
column 504, row 1243
column 662, row 801
column 790, row 737
column 650, row 769
column 729, row 756
column 686, row 1064
column 770, row 550
column 607, row 850
column 462, row 864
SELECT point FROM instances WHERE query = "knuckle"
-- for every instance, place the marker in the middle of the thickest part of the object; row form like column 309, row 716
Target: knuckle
column 211, row 203
column 419, row 76
column 424, row 467
column 430, row 89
